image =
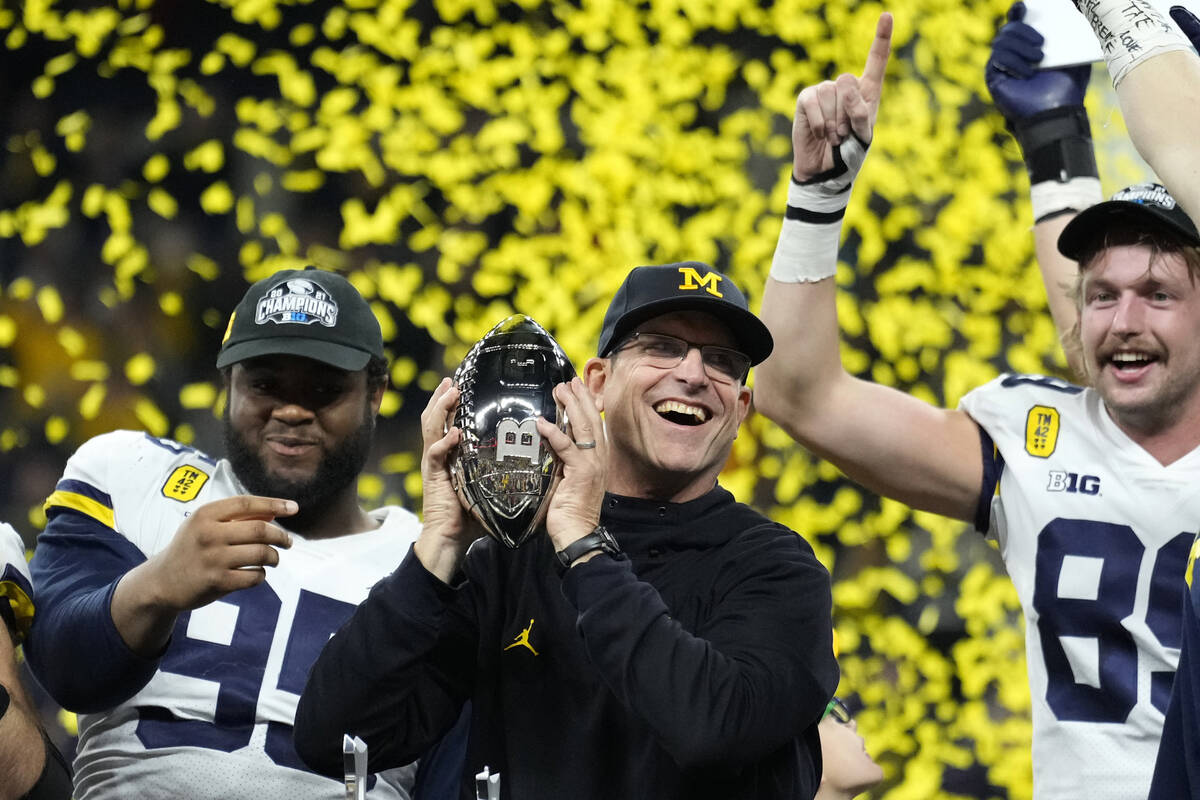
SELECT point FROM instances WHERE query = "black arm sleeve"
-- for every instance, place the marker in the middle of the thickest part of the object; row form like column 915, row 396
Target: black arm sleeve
column 760, row 671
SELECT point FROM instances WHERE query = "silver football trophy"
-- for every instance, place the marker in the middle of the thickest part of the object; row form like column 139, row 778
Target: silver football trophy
column 504, row 473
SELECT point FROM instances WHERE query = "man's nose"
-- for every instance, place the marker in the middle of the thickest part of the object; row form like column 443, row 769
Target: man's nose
column 691, row 368
column 1129, row 316
column 292, row 411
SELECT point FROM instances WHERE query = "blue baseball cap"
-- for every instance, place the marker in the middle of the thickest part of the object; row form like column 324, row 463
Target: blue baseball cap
column 652, row 291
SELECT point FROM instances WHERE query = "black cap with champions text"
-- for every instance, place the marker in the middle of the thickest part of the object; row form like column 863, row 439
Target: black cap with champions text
column 649, row 292
column 303, row 312
column 1143, row 205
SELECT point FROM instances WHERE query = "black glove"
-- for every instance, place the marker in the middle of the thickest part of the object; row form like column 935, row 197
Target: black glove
column 1187, row 23
column 1018, row 87
column 1043, row 108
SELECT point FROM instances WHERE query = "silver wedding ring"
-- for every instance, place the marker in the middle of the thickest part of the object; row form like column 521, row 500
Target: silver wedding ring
column 585, row 445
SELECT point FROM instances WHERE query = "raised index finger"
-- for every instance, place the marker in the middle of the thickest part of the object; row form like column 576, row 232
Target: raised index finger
column 247, row 506
column 877, row 58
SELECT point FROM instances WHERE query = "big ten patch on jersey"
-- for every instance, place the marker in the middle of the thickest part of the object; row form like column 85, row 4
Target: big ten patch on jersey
column 1095, row 534
column 235, row 668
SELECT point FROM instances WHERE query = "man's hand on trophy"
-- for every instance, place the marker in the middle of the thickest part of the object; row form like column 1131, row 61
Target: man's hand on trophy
column 829, row 113
column 446, row 531
column 574, row 510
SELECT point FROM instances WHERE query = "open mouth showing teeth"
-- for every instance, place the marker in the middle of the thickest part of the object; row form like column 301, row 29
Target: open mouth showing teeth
column 1130, row 361
column 681, row 413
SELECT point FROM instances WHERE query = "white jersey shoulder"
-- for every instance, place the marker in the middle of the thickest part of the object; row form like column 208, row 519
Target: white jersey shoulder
column 12, row 551
column 15, row 583
column 140, row 485
column 242, row 659
column 1095, row 534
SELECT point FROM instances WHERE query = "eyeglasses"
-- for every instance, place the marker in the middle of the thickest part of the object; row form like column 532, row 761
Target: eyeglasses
column 837, row 709
column 659, row 350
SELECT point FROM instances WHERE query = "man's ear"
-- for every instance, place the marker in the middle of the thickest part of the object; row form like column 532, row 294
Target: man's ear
column 595, row 378
column 745, row 396
column 377, row 396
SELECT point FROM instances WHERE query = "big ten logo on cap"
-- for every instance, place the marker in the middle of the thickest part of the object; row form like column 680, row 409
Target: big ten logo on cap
column 297, row 300
column 1041, row 431
column 693, row 280
column 184, row 484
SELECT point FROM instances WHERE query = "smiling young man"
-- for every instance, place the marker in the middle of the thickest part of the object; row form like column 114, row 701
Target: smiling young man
column 1089, row 492
column 181, row 599
column 1156, row 74
column 635, row 649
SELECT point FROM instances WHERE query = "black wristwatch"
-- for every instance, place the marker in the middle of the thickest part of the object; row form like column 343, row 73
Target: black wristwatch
column 598, row 539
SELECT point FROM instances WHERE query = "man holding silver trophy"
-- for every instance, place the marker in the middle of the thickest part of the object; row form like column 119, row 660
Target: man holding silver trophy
column 658, row 640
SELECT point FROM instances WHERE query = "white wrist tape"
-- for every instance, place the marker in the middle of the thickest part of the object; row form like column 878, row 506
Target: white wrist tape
column 812, row 229
column 1051, row 197
column 1130, row 31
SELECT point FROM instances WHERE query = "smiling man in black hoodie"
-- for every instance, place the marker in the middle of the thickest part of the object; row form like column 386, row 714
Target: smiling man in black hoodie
column 661, row 641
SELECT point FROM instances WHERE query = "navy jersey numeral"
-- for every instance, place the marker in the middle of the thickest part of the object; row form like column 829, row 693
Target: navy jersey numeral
column 239, row 668
column 1093, row 617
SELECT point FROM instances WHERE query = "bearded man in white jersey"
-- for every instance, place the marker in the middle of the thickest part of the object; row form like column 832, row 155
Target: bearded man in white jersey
column 1090, row 493
column 182, row 599
column 1156, row 75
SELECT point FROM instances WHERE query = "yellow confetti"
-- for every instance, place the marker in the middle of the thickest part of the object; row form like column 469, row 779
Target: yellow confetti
column 140, row 368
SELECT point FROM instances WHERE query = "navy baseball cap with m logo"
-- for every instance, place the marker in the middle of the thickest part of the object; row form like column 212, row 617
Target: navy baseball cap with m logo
column 653, row 291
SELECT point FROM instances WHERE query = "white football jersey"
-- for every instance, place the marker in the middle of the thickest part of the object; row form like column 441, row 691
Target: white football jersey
column 243, row 658
column 15, row 583
column 1095, row 534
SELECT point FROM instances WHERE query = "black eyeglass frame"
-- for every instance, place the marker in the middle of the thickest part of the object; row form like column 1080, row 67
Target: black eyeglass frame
column 838, row 710
column 706, row 351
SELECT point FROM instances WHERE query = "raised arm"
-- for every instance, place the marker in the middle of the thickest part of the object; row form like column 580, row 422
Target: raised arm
column 1044, row 111
column 1156, row 73
column 878, row 436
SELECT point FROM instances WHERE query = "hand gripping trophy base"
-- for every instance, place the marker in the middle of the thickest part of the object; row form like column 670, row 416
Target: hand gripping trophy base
column 503, row 472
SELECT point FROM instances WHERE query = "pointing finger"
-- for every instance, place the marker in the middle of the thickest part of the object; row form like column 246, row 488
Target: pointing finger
column 247, row 507
column 877, row 59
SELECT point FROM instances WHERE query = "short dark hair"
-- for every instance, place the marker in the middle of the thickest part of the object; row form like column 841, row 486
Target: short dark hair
column 377, row 373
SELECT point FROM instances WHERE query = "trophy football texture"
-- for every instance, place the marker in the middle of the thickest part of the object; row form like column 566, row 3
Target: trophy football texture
column 503, row 471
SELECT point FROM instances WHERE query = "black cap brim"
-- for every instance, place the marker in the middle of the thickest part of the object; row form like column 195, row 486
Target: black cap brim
column 1081, row 235
column 751, row 334
column 335, row 355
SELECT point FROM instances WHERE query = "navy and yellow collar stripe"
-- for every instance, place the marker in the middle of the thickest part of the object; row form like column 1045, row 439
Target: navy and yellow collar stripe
column 84, row 498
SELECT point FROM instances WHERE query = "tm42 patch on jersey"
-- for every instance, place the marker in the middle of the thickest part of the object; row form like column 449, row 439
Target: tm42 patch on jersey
column 184, row 484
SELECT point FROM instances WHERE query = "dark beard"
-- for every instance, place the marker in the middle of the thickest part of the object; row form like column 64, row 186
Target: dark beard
column 338, row 469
